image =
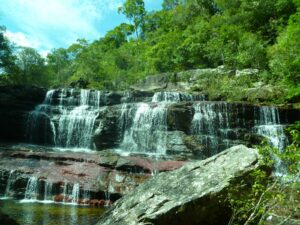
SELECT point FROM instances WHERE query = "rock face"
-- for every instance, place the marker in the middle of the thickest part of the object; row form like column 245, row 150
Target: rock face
column 15, row 104
column 190, row 195
column 98, row 176
column 176, row 81
column 171, row 123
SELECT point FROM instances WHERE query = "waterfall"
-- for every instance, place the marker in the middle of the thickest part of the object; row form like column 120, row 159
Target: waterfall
column 86, row 193
column 166, row 96
column 268, row 125
column 66, row 119
column 31, row 192
column 40, row 128
column 75, row 193
column 65, row 191
column 10, row 181
column 75, row 126
column 211, row 125
column 147, row 132
column 48, row 191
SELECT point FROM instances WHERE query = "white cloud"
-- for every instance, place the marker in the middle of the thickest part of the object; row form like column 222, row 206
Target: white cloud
column 21, row 39
column 57, row 22
column 47, row 24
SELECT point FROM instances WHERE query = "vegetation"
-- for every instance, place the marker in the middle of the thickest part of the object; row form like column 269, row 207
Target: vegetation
column 261, row 197
column 185, row 34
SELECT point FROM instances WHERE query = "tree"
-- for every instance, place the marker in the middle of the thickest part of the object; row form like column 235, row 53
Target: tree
column 135, row 11
column 58, row 63
column 7, row 58
column 116, row 37
column 285, row 55
column 170, row 4
column 32, row 66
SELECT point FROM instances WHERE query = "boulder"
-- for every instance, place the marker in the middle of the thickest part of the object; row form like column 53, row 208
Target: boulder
column 152, row 83
column 193, row 194
column 246, row 72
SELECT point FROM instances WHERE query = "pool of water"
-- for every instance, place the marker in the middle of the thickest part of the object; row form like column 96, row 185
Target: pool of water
column 50, row 214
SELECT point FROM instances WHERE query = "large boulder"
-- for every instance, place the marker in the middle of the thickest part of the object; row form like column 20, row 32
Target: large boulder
column 193, row 194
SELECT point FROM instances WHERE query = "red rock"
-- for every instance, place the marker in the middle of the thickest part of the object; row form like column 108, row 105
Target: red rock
column 58, row 198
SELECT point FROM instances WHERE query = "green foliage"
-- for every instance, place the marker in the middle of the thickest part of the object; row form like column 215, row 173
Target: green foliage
column 135, row 11
column 247, row 198
column 253, row 198
column 31, row 66
column 7, row 58
column 285, row 55
column 291, row 155
column 184, row 35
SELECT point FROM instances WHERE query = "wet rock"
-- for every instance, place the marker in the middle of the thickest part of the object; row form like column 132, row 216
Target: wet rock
column 98, row 173
column 107, row 134
column 182, row 110
column 193, row 194
column 15, row 104
column 177, row 145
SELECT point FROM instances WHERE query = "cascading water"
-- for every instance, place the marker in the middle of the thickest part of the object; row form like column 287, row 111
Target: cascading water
column 65, row 191
column 31, row 192
column 76, row 124
column 268, row 125
column 148, row 129
column 211, row 125
column 168, row 96
column 75, row 193
column 48, row 191
column 39, row 120
column 10, row 181
column 145, row 130
column 65, row 119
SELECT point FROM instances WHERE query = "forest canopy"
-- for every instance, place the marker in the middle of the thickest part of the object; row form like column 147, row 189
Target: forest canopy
column 183, row 35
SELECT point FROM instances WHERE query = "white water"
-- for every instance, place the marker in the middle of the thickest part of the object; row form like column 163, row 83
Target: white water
column 76, row 124
column 65, row 119
column 147, row 132
column 48, row 191
column 211, row 124
column 172, row 97
column 31, row 192
column 268, row 125
column 10, row 181
column 75, row 193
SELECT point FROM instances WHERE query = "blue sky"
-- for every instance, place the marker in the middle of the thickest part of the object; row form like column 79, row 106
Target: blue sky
column 48, row 24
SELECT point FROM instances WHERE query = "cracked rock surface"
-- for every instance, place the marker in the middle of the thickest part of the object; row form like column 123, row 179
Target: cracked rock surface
column 189, row 195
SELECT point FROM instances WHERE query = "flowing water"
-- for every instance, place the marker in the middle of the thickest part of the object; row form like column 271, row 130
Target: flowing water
column 269, row 126
column 31, row 189
column 211, row 125
column 65, row 119
column 147, row 133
